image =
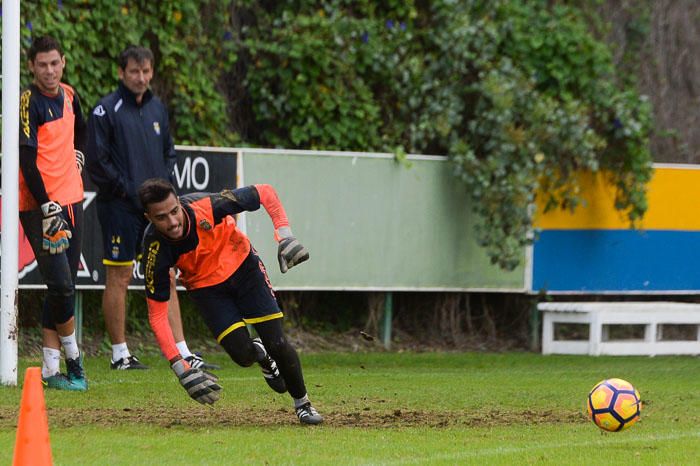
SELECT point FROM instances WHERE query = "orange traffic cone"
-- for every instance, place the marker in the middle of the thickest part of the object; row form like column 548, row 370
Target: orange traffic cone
column 32, row 446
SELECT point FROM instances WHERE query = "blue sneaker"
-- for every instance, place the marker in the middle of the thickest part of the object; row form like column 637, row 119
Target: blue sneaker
column 60, row 382
column 76, row 373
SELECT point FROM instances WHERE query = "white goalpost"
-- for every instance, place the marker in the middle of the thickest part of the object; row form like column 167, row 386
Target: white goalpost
column 10, row 182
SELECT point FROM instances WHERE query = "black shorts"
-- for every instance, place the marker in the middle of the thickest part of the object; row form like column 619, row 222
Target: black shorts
column 246, row 297
column 122, row 231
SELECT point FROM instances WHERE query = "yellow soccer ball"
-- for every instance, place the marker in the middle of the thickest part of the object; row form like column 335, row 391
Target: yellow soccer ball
column 614, row 405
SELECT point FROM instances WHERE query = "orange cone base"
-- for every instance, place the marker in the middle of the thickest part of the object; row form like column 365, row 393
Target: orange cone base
column 32, row 446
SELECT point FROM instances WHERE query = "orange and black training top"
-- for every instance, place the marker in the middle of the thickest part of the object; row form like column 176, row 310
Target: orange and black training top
column 212, row 248
column 209, row 252
column 51, row 128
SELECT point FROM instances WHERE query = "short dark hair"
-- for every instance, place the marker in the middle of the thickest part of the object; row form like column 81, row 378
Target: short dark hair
column 155, row 190
column 43, row 44
column 137, row 53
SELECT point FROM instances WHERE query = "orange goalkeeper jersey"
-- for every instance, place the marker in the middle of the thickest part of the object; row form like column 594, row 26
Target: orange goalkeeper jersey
column 48, row 123
column 210, row 251
column 212, row 248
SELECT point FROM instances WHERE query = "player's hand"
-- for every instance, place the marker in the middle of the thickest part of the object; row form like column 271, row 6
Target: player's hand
column 200, row 385
column 290, row 251
column 79, row 160
column 54, row 228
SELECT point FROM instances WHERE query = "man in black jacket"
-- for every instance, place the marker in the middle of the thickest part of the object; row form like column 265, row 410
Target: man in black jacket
column 129, row 142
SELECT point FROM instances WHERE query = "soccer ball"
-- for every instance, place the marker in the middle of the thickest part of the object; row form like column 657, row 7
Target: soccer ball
column 614, row 405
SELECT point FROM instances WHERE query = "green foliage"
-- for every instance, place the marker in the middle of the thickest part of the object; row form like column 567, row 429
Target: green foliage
column 540, row 105
column 188, row 39
column 319, row 76
column 520, row 95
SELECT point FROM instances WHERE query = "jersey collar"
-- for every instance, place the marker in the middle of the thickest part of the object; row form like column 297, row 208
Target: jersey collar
column 131, row 97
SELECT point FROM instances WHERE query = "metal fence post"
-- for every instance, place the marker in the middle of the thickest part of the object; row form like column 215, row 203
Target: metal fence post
column 535, row 323
column 386, row 328
column 78, row 314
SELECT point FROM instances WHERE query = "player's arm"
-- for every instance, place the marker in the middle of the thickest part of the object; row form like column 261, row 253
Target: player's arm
column 79, row 134
column 156, row 262
column 55, row 230
column 249, row 199
column 31, row 174
column 28, row 143
column 99, row 162
column 199, row 385
column 290, row 251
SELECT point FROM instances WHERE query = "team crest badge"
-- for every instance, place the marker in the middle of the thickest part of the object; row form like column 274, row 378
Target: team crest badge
column 204, row 225
column 156, row 127
column 116, row 240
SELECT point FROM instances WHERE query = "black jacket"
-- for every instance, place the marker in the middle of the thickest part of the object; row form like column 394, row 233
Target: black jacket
column 128, row 143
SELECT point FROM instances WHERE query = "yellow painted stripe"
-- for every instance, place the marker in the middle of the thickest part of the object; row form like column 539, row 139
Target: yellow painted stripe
column 673, row 198
column 257, row 320
column 229, row 330
column 119, row 263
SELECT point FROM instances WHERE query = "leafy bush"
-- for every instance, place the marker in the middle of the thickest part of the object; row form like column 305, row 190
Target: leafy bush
column 520, row 95
column 189, row 40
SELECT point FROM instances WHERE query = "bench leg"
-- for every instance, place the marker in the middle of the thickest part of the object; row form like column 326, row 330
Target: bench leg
column 547, row 334
column 650, row 337
column 595, row 334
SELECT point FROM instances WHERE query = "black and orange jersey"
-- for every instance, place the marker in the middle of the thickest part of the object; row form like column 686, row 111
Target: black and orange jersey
column 211, row 249
column 50, row 129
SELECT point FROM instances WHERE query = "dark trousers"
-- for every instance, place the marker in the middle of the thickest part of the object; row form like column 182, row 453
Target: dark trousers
column 57, row 270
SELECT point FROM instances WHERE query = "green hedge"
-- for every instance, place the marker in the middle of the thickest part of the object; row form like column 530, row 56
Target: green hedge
column 188, row 39
column 519, row 94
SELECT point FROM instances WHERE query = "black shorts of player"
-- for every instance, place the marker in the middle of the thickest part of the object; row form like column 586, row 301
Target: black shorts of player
column 58, row 271
column 246, row 297
column 122, row 231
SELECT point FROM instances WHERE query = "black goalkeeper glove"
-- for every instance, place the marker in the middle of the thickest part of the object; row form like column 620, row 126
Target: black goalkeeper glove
column 201, row 386
column 54, row 228
column 290, row 251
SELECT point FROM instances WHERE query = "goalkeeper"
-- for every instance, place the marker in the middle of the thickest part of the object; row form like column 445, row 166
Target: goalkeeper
column 226, row 280
column 52, row 134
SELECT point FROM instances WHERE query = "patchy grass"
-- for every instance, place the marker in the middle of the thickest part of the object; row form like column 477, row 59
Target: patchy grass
column 379, row 408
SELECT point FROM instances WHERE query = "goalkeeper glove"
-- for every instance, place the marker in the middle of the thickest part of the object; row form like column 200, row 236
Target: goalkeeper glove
column 200, row 385
column 79, row 160
column 54, row 228
column 290, row 251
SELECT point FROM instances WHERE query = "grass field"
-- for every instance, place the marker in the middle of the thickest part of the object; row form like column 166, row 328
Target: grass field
column 380, row 408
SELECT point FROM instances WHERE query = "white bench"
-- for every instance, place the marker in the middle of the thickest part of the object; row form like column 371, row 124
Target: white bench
column 600, row 316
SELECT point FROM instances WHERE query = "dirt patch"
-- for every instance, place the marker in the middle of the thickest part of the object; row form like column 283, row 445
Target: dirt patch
column 197, row 417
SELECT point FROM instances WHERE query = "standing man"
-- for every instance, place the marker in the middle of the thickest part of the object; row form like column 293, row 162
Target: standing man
column 52, row 135
column 227, row 282
column 129, row 141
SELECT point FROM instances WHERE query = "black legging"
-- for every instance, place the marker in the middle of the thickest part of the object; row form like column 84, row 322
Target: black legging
column 239, row 346
column 57, row 270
